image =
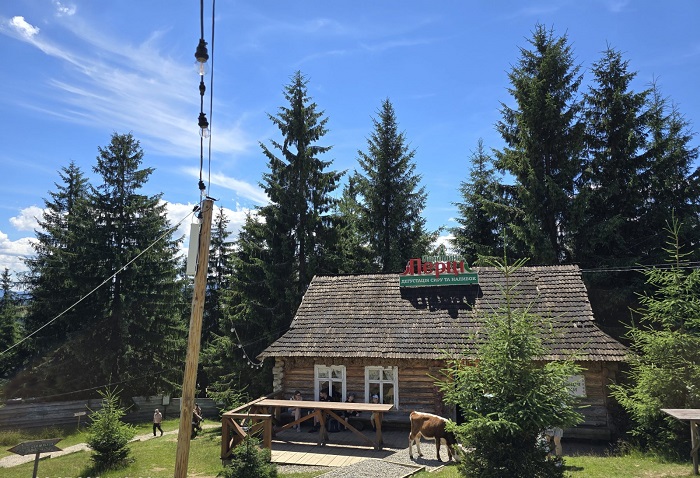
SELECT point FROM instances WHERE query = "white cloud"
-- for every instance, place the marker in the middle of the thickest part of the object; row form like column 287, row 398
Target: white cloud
column 21, row 26
column 181, row 214
column 28, row 219
column 445, row 241
column 64, row 9
column 12, row 252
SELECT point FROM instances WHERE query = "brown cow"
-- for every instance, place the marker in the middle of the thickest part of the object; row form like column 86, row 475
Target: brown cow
column 431, row 427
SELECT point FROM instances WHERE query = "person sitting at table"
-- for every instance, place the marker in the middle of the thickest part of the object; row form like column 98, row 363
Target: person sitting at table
column 375, row 400
column 332, row 425
column 297, row 411
column 350, row 413
column 322, row 397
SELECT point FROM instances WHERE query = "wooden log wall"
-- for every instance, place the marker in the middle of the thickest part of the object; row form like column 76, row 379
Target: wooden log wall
column 417, row 390
column 26, row 415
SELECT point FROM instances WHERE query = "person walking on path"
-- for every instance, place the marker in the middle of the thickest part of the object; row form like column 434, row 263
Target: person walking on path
column 157, row 419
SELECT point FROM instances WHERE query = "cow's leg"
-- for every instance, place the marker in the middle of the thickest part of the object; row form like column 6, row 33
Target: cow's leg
column 417, row 440
column 437, row 446
column 410, row 445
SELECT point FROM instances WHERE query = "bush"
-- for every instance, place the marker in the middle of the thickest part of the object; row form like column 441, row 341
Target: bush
column 248, row 460
column 108, row 436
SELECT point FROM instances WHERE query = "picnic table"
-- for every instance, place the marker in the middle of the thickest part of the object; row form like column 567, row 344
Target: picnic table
column 693, row 415
column 260, row 413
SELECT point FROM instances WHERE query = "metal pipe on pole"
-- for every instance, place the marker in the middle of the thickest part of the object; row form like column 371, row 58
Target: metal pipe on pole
column 189, row 381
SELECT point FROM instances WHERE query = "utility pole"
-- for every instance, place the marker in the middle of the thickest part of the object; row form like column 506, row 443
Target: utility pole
column 189, row 381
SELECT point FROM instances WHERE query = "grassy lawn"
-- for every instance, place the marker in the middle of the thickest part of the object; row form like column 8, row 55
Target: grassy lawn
column 156, row 458
column 629, row 466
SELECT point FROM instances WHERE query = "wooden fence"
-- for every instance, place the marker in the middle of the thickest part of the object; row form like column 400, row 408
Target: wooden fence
column 25, row 414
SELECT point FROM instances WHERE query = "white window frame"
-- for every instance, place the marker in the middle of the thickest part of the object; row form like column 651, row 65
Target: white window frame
column 327, row 371
column 394, row 382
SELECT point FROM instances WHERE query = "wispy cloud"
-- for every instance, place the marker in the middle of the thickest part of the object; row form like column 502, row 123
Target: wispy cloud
column 243, row 189
column 116, row 85
column 616, row 6
column 64, row 9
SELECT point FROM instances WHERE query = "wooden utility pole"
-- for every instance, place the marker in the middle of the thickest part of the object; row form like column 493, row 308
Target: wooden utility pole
column 189, row 381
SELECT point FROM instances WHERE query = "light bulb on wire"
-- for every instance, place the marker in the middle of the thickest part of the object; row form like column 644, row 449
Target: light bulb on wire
column 202, row 55
column 204, row 130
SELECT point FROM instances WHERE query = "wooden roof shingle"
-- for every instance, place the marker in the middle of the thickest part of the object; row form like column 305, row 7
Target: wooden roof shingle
column 371, row 316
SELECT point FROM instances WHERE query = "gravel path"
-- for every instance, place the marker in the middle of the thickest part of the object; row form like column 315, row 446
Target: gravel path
column 397, row 465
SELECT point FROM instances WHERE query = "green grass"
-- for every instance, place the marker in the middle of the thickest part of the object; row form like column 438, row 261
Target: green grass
column 634, row 465
column 156, row 458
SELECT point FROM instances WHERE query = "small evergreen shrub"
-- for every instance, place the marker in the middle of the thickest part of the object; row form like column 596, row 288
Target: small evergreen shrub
column 508, row 395
column 250, row 461
column 108, row 436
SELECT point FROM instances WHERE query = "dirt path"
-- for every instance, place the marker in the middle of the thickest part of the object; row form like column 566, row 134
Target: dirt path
column 14, row 460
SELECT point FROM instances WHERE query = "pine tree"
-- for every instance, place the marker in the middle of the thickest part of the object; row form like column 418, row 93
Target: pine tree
column 665, row 363
column 506, row 395
column 611, row 194
column 391, row 198
column 54, row 280
column 482, row 225
column 672, row 181
column 355, row 257
column 10, row 328
column 282, row 246
column 544, row 141
column 128, row 329
column 139, row 333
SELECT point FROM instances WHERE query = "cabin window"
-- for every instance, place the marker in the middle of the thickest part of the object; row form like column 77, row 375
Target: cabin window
column 331, row 379
column 382, row 381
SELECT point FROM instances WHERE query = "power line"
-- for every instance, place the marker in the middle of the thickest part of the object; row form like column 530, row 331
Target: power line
column 168, row 231
column 643, row 268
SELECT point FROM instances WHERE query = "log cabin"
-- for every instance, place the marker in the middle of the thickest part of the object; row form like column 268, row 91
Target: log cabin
column 374, row 335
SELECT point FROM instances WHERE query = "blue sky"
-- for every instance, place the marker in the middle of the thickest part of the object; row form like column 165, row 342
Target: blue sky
column 77, row 71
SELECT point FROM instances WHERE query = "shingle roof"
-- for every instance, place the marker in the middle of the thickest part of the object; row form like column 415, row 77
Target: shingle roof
column 371, row 316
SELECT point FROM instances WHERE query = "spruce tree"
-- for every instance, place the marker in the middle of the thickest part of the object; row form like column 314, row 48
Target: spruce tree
column 671, row 182
column 54, row 280
column 390, row 195
column 506, row 394
column 611, row 196
column 298, row 185
column 10, row 328
column 282, row 245
column 543, row 134
column 355, row 257
column 219, row 273
column 481, row 227
column 128, row 329
column 664, row 363
column 137, row 326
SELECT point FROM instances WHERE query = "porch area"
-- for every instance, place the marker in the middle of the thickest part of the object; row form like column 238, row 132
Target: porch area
column 290, row 447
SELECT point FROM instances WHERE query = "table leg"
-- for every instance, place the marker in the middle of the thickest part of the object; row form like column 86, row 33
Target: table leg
column 322, row 432
column 378, row 419
column 695, row 444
